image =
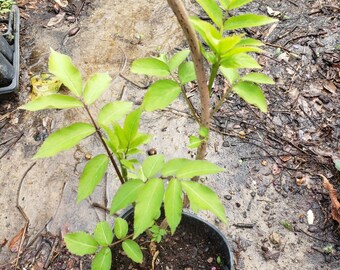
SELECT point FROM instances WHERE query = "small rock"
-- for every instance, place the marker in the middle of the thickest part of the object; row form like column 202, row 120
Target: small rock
column 152, row 151
column 324, row 99
column 226, row 144
column 228, row 197
column 210, row 260
column 313, row 229
column 253, row 194
column 267, row 207
column 310, row 217
column 275, row 238
column 237, row 204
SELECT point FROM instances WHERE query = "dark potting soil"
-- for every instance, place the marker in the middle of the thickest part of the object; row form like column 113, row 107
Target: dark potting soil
column 191, row 247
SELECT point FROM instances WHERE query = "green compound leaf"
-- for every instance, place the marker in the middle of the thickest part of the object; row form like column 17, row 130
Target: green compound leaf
column 148, row 205
column 187, row 168
column 54, row 101
column 121, row 228
column 203, row 198
column 95, row 86
column 231, row 74
column 258, row 78
column 161, row 94
column 61, row 66
column 126, row 194
column 238, row 3
column 91, row 176
column 151, row 67
column 133, row 251
column 247, row 20
column 113, row 112
column 173, row 204
column 251, row 94
column 213, row 11
column 178, row 59
column 102, row 260
column 186, row 72
column 81, row 243
column 103, row 233
column 152, row 165
column 240, row 60
column 64, row 138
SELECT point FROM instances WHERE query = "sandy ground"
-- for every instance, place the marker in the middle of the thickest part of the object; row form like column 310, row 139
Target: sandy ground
column 111, row 36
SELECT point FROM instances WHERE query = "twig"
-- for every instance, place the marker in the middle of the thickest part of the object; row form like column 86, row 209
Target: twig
column 9, row 148
column 22, row 212
column 298, row 229
column 305, row 35
column 154, row 259
column 244, row 225
column 133, row 83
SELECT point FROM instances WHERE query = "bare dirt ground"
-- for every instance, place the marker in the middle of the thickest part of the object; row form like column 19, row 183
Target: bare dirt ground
column 274, row 163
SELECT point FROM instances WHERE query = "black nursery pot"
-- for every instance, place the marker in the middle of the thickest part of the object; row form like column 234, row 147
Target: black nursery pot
column 199, row 226
column 9, row 53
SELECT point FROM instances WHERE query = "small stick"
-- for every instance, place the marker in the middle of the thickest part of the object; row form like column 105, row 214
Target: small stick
column 9, row 148
column 244, row 225
column 154, row 259
column 133, row 83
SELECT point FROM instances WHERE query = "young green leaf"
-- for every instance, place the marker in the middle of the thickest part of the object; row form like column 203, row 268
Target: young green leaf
column 238, row 3
column 140, row 139
column 241, row 60
column 213, row 11
column 148, row 205
column 126, row 194
column 152, row 165
column 209, row 33
column 64, row 138
column 187, row 168
column 239, row 50
column 204, row 132
column 228, row 43
column 161, row 94
column 131, row 124
column 258, row 78
column 133, row 251
column 198, row 167
column 194, row 142
column 95, row 86
column 231, row 74
column 113, row 111
column 186, row 72
column 173, row 204
column 61, row 66
column 103, row 233
column 102, row 260
column 122, row 140
column 151, row 67
column 225, row 4
column 252, row 94
column 54, row 101
column 80, row 243
column 91, row 176
column 250, row 42
column 247, row 20
column 121, row 228
column 178, row 59
column 203, row 198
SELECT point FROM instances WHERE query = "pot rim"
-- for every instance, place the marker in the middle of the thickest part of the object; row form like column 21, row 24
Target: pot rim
column 186, row 213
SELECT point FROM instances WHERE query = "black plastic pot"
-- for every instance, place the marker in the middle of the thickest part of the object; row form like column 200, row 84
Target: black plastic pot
column 9, row 53
column 202, row 226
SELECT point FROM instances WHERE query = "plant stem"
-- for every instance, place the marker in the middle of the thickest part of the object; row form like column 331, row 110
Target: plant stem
column 121, row 240
column 121, row 178
column 220, row 102
column 213, row 74
column 189, row 32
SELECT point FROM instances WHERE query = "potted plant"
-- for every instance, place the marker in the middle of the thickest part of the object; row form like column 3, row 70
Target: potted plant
column 9, row 46
column 159, row 189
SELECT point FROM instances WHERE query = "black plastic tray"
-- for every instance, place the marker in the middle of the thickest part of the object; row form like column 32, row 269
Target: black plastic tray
column 13, row 31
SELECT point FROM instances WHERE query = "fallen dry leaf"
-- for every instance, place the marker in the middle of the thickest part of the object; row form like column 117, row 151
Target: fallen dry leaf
column 334, row 199
column 275, row 169
column 15, row 242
